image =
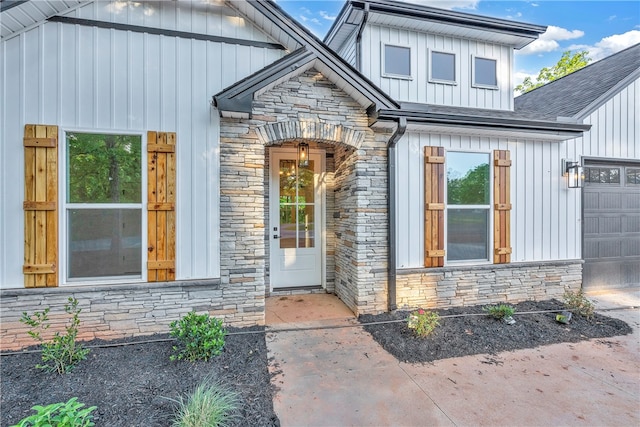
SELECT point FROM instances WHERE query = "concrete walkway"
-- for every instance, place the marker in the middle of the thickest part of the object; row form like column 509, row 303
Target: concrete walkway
column 342, row 377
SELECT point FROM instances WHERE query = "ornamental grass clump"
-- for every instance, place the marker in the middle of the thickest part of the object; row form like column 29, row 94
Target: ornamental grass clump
column 63, row 352
column 577, row 303
column 199, row 337
column 500, row 311
column 423, row 322
column 211, row 404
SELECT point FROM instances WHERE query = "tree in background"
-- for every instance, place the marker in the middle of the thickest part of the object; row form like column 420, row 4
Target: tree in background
column 567, row 64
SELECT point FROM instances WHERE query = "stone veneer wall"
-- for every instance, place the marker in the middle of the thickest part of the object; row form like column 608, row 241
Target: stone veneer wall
column 119, row 311
column 487, row 284
column 309, row 107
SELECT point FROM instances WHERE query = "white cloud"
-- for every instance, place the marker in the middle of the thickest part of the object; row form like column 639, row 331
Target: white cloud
column 448, row 4
column 326, row 16
column 548, row 42
column 609, row 45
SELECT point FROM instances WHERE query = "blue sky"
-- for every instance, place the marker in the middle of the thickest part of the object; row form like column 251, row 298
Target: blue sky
column 600, row 27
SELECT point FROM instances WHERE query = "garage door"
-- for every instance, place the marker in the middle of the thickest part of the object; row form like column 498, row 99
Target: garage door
column 611, row 215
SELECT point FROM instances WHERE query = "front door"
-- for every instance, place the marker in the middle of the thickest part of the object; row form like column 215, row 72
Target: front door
column 295, row 220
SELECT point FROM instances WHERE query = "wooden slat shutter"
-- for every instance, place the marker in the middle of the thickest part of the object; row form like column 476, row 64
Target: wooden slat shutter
column 434, row 206
column 502, row 207
column 161, row 208
column 40, row 206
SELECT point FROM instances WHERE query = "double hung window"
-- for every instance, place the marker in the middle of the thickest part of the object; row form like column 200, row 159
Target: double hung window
column 468, row 206
column 103, row 210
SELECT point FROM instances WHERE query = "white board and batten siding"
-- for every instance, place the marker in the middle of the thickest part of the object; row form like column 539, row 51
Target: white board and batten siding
column 97, row 79
column 545, row 219
column 418, row 88
column 615, row 128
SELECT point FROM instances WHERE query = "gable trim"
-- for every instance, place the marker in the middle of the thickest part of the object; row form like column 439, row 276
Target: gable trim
column 163, row 32
column 602, row 99
column 290, row 26
column 238, row 97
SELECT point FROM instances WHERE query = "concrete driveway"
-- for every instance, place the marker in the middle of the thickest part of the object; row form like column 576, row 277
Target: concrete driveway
column 342, row 377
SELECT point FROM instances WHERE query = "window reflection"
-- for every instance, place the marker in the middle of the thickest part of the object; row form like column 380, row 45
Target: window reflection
column 297, row 205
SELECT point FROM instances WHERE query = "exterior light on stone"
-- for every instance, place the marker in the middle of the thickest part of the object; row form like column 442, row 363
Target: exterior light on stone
column 303, row 155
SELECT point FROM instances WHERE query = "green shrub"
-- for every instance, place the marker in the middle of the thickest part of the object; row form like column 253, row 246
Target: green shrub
column 67, row 414
column 577, row 303
column 499, row 311
column 423, row 322
column 63, row 352
column 199, row 337
column 209, row 405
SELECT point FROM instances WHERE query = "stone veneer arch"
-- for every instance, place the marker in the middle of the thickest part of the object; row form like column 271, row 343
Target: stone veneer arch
column 280, row 132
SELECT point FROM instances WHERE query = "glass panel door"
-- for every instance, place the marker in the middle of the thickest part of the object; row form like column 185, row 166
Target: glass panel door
column 295, row 209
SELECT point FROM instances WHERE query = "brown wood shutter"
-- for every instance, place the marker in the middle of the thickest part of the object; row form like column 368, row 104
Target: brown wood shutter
column 40, row 206
column 502, row 207
column 161, row 207
column 434, row 206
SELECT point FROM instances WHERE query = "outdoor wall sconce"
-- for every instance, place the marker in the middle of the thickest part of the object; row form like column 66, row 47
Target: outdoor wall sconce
column 574, row 173
column 303, row 155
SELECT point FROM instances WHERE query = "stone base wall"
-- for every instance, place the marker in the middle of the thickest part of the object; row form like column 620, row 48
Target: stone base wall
column 119, row 311
column 490, row 284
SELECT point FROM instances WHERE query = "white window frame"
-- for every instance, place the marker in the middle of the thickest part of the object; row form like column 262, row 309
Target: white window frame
column 447, row 206
column 473, row 72
column 383, row 71
column 63, row 215
column 432, row 79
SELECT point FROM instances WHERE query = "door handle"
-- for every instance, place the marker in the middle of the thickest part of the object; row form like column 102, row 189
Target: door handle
column 275, row 236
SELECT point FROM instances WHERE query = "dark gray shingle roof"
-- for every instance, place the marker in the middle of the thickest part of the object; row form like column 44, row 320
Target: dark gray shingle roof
column 571, row 94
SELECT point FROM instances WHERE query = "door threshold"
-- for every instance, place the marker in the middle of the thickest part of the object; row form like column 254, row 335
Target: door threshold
column 297, row 290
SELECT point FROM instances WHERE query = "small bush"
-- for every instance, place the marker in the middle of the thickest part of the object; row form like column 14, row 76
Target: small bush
column 499, row 311
column 66, row 414
column 63, row 352
column 423, row 322
column 199, row 337
column 209, row 405
column 577, row 303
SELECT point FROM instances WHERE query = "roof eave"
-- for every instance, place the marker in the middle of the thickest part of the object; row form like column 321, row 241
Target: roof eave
column 287, row 24
column 514, row 124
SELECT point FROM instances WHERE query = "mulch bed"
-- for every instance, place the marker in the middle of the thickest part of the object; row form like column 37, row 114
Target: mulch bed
column 463, row 336
column 132, row 384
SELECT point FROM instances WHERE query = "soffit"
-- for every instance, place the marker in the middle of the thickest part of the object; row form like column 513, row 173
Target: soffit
column 453, row 30
column 17, row 16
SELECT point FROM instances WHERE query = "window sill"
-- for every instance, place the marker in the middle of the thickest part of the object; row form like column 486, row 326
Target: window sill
column 443, row 82
column 396, row 77
column 488, row 87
